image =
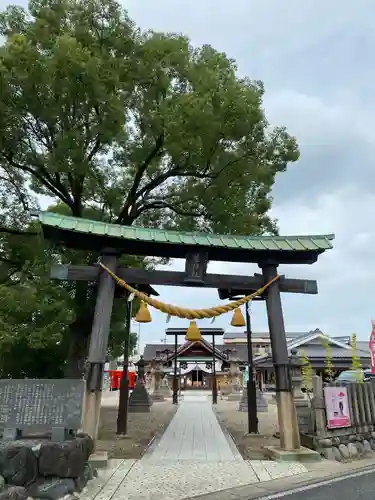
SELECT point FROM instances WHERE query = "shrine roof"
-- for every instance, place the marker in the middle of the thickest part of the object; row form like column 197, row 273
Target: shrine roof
column 95, row 235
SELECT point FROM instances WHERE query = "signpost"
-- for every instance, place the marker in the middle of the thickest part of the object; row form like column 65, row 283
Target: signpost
column 337, row 407
column 372, row 347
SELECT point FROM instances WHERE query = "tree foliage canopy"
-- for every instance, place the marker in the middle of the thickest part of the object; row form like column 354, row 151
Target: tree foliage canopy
column 123, row 126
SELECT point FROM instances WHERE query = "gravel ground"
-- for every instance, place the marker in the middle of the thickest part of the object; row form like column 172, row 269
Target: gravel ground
column 142, row 428
column 249, row 445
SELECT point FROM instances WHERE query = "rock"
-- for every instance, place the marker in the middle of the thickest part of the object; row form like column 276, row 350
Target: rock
column 344, row 451
column 337, row 455
column 14, row 493
column 36, row 450
column 353, row 452
column 18, row 464
column 51, row 488
column 372, row 443
column 325, row 443
column 66, row 458
column 336, row 441
column 81, row 481
column 367, row 446
column 328, row 454
column 360, row 448
column 352, row 438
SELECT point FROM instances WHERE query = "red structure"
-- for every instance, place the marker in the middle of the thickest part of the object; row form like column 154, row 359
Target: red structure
column 115, row 379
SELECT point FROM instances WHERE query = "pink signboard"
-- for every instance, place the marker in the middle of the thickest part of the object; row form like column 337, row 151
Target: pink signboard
column 337, row 407
column 372, row 347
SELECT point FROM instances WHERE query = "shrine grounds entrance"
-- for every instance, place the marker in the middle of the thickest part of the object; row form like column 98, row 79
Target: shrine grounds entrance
column 197, row 249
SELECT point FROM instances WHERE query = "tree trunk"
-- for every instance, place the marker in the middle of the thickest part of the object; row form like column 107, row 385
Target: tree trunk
column 79, row 332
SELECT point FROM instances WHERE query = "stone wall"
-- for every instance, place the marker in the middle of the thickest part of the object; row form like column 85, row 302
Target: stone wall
column 342, row 448
column 48, row 470
column 348, row 443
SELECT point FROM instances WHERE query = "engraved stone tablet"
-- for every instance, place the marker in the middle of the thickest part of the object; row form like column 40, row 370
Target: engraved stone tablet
column 41, row 404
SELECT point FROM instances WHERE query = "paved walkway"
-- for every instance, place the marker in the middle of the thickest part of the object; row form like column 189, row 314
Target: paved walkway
column 193, row 457
column 194, row 434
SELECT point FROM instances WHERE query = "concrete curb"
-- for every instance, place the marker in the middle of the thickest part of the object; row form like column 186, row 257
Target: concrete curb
column 314, row 476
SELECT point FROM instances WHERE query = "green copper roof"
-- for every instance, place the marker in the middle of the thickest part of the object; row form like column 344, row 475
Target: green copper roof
column 226, row 241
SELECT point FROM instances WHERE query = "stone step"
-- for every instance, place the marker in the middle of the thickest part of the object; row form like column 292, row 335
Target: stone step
column 99, row 459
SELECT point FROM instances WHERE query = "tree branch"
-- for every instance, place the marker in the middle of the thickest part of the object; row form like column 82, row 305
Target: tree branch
column 159, row 205
column 132, row 195
column 43, row 180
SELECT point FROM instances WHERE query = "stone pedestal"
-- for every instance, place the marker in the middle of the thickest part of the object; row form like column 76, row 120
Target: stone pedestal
column 235, row 396
column 235, row 393
column 139, row 401
column 262, row 403
column 235, row 390
column 162, row 392
column 299, row 455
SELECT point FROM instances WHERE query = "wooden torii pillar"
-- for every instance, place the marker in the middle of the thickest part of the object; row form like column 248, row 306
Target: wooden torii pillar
column 99, row 336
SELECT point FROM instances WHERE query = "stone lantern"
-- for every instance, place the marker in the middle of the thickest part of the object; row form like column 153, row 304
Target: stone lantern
column 304, row 413
column 159, row 378
column 139, row 401
column 234, row 374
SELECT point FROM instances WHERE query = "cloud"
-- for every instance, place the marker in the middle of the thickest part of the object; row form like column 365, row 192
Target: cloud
column 315, row 59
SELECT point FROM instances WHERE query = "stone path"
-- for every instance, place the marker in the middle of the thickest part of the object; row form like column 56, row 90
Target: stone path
column 194, row 434
column 193, row 457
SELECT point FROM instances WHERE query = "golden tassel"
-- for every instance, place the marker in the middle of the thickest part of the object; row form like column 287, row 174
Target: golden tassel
column 238, row 319
column 193, row 333
column 143, row 314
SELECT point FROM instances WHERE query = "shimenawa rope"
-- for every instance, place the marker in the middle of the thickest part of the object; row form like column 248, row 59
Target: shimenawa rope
column 191, row 314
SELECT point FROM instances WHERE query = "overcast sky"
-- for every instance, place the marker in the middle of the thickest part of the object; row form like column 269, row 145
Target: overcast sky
column 315, row 59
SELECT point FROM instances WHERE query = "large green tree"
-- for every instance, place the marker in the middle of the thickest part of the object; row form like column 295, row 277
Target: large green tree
column 132, row 126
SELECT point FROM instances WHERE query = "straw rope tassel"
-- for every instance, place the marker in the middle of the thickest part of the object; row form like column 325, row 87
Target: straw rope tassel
column 181, row 312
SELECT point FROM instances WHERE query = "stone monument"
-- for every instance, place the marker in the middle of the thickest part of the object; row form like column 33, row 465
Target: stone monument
column 54, row 461
column 139, row 401
column 44, row 406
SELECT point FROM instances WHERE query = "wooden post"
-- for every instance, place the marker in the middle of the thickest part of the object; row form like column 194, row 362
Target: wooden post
column 122, row 416
column 252, row 417
column 214, row 385
column 288, row 425
column 175, row 384
column 98, row 345
column 319, row 406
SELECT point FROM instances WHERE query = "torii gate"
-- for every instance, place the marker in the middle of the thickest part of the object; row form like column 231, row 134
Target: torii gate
column 197, row 249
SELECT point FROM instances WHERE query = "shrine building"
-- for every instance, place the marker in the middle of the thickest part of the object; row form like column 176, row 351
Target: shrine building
column 195, row 360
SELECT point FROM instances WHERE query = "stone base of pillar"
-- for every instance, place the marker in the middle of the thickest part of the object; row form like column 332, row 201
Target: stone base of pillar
column 161, row 393
column 301, row 454
column 262, row 403
column 235, row 393
column 234, row 396
column 288, row 425
column 157, row 396
column 139, row 401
